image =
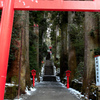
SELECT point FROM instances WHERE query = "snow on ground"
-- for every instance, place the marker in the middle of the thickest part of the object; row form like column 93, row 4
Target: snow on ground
column 10, row 85
column 31, row 91
column 76, row 93
column 18, row 99
column 77, row 81
column 57, row 78
column 28, row 92
column 62, row 85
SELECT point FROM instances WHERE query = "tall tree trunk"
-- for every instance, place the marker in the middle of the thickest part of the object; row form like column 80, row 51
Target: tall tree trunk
column 36, row 32
column 91, row 42
column 63, row 57
column 23, row 56
column 55, row 43
column 21, row 24
column 25, row 72
column 28, row 81
column 71, row 49
column 13, row 68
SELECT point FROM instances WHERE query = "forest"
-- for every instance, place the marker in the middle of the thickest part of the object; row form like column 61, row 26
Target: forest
column 74, row 38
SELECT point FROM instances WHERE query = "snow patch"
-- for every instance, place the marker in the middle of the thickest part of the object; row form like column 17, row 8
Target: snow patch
column 28, row 93
column 62, row 85
column 54, row 68
column 11, row 85
column 76, row 93
column 18, row 99
column 31, row 91
column 57, row 78
column 77, row 81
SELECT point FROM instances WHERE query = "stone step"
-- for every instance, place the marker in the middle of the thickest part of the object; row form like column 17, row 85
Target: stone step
column 48, row 63
column 49, row 78
column 48, row 70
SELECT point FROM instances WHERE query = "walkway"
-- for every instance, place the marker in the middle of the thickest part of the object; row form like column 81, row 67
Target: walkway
column 51, row 91
column 49, row 88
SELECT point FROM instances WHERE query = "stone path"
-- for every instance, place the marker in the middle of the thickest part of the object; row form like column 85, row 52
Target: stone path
column 51, row 91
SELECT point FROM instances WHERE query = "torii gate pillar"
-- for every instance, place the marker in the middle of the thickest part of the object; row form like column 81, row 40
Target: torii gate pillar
column 5, row 37
column 8, row 7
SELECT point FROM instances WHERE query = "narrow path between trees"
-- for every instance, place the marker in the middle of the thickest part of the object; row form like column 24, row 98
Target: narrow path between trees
column 50, row 88
column 51, row 91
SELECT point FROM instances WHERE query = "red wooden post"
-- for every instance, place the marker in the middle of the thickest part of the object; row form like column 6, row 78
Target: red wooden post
column 33, row 80
column 67, row 82
column 5, row 38
column 7, row 21
column 50, row 47
column 68, row 74
column 33, row 74
column 42, row 62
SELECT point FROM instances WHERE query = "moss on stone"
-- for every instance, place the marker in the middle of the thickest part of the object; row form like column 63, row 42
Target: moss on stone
column 14, row 79
column 11, row 92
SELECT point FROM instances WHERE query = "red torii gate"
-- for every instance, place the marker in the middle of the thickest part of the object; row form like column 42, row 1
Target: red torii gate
column 8, row 7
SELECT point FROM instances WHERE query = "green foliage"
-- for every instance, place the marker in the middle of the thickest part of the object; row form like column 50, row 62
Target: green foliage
column 79, row 71
column 14, row 40
column 79, row 17
column 37, row 17
column 59, row 18
column 95, row 14
column 92, row 33
column 32, row 57
column 97, row 51
column 58, row 38
column 57, row 63
column 77, row 35
column 43, row 51
column 11, row 92
column 14, row 79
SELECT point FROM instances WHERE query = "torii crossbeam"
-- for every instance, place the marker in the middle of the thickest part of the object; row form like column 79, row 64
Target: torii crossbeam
column 8, row 7
column 55, row 5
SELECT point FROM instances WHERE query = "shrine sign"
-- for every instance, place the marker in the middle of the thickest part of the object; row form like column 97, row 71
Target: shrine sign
column 9, row 6
column 97, row 70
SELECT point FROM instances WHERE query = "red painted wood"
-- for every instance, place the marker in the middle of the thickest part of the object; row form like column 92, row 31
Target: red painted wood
column 55, row 5
column 33, row 80
column 68, row 74
column 9, row 6
column 67, row 85
column 33, row 74
column 5, row 38
column 97, row 56
column 58, row 5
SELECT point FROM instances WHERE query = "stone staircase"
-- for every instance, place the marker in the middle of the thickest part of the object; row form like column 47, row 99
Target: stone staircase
column 48, row 68
column 49, row 72
column 50, row 78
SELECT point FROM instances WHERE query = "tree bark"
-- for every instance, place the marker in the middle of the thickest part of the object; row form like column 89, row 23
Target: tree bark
column 28, row 81
column 13, row 69
column 91, row 42
column 71, row 49
column 63, row 57
column 36, row 32
column 25, row 71
column 21, row 37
